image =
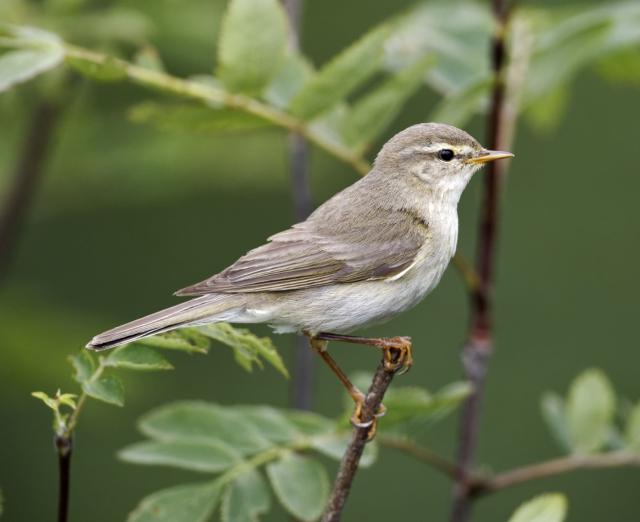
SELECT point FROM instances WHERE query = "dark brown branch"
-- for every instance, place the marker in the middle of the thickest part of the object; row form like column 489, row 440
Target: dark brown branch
column 549, row 468
column 302, row 384
column 478, row 348
column 64, row 447
column 25, row 179
column 349, row 465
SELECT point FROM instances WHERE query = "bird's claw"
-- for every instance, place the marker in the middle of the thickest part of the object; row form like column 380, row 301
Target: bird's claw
column 398, row 355
column 371, row 425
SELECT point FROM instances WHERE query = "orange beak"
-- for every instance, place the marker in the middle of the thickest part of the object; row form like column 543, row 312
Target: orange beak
column 491, row 155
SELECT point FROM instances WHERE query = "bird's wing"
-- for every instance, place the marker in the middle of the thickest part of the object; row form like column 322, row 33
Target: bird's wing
column 309, row 256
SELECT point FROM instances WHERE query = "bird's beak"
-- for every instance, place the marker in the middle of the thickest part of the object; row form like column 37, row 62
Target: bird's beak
column 490, row 155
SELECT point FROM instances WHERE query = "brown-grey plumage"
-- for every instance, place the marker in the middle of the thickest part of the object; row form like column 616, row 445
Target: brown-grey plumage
column 369, row 252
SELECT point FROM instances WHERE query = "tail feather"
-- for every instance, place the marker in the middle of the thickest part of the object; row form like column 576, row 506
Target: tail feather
column 178, row 316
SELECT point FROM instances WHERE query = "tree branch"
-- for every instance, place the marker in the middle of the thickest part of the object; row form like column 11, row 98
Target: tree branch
column 64, row 446
column 478, row 348
column 550, row 468
column 25, row 179
column 349, row 465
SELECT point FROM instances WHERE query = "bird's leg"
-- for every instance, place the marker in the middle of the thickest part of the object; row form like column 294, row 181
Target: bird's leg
column 320, row 346
column 397, row 350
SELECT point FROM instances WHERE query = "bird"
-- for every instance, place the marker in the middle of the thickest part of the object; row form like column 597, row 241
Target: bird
column 370, row 252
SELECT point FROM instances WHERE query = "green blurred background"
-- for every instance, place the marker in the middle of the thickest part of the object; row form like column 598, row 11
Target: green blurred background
column 127, row 213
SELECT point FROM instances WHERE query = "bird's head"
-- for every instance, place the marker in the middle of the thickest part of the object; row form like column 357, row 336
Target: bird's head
column 440, row 156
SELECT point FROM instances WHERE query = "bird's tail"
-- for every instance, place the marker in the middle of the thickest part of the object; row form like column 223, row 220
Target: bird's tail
column 208, row 308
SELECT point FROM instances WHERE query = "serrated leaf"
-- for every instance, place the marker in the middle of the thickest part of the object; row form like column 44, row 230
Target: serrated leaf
column 554, row 414
column 288, row 81
column 344, row 73
column 199, row 421
column 253, row 43
column 248, row 349
column 211, row 456
column 137, row 357
column 84, row 365
column 632, row 431
column 246, row 498
column 301, row 485
column 334, row 447
column 185, row 503
column 590, row 411
column 371, row 114
column 194, row 118
column 106, row 388
column 185, row 339
column 107, row 69
column 460, row 106
column 551, row 507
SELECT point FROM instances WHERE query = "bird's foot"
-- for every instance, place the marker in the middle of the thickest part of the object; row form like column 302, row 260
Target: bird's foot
column 398, row 354
column 370, row 425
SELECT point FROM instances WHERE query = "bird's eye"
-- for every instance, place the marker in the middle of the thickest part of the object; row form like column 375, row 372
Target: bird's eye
column 445, row 154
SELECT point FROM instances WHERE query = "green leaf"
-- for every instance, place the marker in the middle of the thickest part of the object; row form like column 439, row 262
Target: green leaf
column 246, row 498
column 106, row 388
column 460, row 106
column 311, row 423
column 632, row 432
column 461, row 48
column 371, row 114
column 185, row 339
column 344, row 73
column 248, row 349
column 185, row 503
column 25, row 64
column 38, row 52
column 211, row 456
column 51, row 403
column 84, row 365
column 194, row 118
column 551, row 507
column 202, row 422
column 253, row 43
column 411, row 404
column 590, row 411
column 301, row 485
column 137, row 357
column 270, row 423
column 335, row 445
column 554, row 413
column 288, row 81
column 149, row 58
column 107, row 69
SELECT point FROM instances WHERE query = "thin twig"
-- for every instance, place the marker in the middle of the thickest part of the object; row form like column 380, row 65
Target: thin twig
column 349, row 465
column 217, row 95
column 549, row 468
column 64, row 446
column 436, row 461
column 478, row 348
column 25, row 179
column 302, row 384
